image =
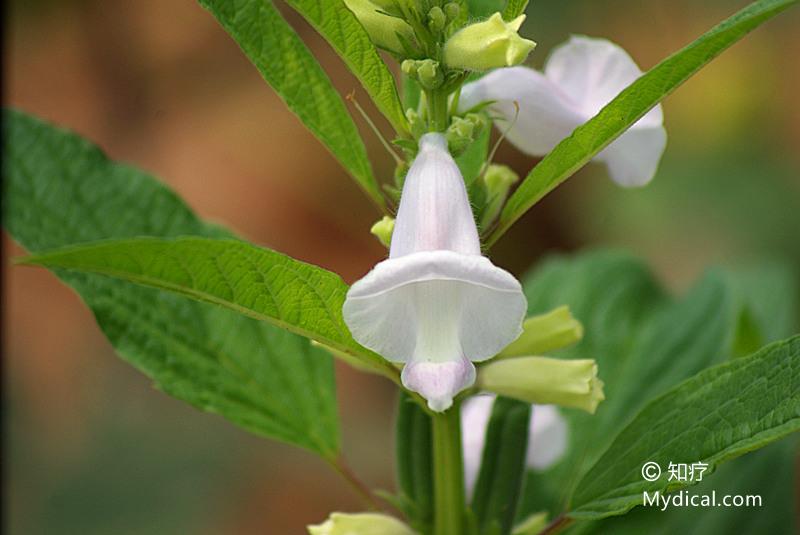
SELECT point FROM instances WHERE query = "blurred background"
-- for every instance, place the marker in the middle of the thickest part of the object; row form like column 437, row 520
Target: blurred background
column 92, row 448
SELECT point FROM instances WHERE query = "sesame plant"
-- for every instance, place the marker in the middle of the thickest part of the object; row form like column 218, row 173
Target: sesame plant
column 526, row 405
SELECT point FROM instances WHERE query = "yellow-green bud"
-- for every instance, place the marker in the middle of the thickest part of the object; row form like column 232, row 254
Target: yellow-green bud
column 360, row 524
column 383, row 230
column 452, row 10
column 532, row 525
column 436, row 19
column 497, row 180
column 488, row 44
column 545, row 332
column 409, row 68
column 463, row 131
column 416, row 123
column 543, row 380
column 382, row 29
column 429, row 74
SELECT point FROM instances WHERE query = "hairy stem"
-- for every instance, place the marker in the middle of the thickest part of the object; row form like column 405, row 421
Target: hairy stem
column 448, row 472
column 437, row 110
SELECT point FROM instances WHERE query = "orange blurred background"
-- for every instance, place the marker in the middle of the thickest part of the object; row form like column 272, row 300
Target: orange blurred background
column 94, row 449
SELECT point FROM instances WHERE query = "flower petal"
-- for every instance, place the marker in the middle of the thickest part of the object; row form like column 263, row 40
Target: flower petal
column 385, row 309
column 632, row 159
column 591, row 72
column 438, row 382
column 475, row 413
column 434, row 208
column 546, row 114
column 548, row 437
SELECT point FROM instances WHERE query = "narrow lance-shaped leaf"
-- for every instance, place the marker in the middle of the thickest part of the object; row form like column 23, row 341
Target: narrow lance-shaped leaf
column 288, row 66
column 60, row 190
column 717, row 415
column 414, row 445
column 628, row 107
column 247, row 279
column 341, row 29
column 502, row 467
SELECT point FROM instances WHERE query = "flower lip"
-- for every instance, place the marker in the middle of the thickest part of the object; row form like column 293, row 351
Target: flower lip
column 425, row 266
column 485, row 303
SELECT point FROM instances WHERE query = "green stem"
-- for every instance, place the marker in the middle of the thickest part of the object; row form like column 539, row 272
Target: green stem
column 448, row 472
column 437, row 110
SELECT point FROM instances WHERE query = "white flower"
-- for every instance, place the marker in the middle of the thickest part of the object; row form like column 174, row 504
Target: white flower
column 547, row 436
column 436, row 304
column 579, row 79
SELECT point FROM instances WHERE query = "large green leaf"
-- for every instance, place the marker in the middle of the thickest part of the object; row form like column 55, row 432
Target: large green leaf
column 628, row 107
column 644, row 341
column 341, row 29
column 717, row 415
column 288, row 66
column 247, row 279
column 761, row 473
column 63, row 190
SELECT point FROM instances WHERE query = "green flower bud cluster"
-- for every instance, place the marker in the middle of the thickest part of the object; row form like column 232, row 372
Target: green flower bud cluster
column 464, row 130
column 426, row 71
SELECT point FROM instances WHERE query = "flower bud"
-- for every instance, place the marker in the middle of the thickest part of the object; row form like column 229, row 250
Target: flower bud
column 452, row 10
column 488, row 44
column 360, row 524
column 429, row 74
column 497, row 180
column 436, row 19
column 409, row 68
column 463, row 131
column 532, row 525
column 383, row 29
column 543, row 380
column 416, row 123
column 383, row 230
column 545, row 332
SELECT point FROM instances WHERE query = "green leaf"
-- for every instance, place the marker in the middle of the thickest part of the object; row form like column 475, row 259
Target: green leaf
column 414, row 448
column 514, row 8
column 715, row 416
column 347, row 36
column 761, row 473
column 644, row 340
column 479, row 9
column 288, row 66
column 255, row 282
column 411, row 92
column 500, row 479
column 628, row 107
column 62, row 190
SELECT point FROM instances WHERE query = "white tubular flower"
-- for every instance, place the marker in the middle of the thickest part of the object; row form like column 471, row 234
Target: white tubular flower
column 436, row 304
column 579, row 79
column 547, row 436
column 360, row 524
